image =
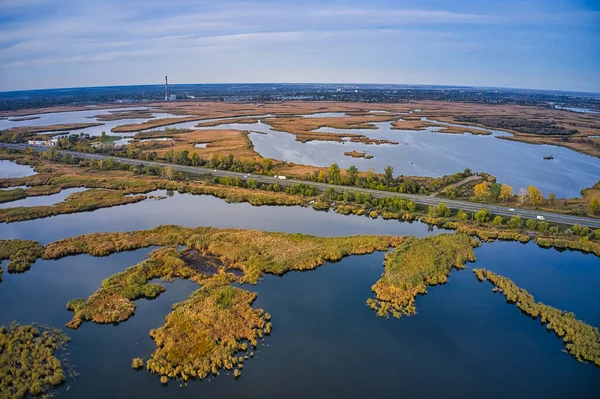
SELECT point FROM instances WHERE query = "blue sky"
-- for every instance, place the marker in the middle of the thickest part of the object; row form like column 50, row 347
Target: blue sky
column 549, row 44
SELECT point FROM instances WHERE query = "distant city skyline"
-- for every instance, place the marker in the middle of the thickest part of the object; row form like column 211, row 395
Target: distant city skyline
column 507, row 43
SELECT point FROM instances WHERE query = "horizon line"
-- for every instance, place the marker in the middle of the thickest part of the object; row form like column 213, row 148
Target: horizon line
column 307, row 83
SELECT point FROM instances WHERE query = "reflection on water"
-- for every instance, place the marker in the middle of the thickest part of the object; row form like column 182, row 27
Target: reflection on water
column 426, row 153
column 87, row 116
column 325, row 339
column 9, row 169
column 193, row 210
column 577, row 109
column 568, row 280
column 43, row 199
column 325, row 115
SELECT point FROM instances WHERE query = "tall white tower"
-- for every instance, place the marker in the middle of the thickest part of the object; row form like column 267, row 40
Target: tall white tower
column 166, row 89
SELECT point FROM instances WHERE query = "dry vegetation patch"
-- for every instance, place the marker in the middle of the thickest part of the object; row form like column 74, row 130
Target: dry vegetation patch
column 77, row 202
column 205, row 332
column 357, row 154
column 21, row 253
column 114, row 301
column 28, row 365
column 21, row 133
column 415, row 264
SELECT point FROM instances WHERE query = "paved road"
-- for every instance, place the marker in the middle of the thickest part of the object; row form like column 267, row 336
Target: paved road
column 419, row 199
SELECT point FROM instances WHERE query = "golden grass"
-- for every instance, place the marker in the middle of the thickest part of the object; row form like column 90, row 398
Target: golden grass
column 205, row 332
column 357, row 154
column 304, row 128
column 219, row 142
column 114, row 302
column 153, row 123
column 28, row 366
column 256, row 252
column 120, row 115
column 415, row 264
column 228, row 121
column 30, row 130
column 77, row 202
column 21, row 253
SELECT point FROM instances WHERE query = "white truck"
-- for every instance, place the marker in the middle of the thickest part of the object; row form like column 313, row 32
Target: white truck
column 540, row 218
column 279, row 177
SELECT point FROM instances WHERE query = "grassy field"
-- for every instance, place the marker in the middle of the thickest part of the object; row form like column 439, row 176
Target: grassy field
column 28, row 365
column 414, row 265
column 77, row 202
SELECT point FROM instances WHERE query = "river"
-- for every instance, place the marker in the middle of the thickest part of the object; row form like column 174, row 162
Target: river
column 465, row 340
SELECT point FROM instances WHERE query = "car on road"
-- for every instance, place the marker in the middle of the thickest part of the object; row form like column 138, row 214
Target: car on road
column 511, row 209
column 540, row 217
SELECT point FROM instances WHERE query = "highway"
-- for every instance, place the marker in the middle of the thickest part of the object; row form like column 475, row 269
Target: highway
column 419, row 199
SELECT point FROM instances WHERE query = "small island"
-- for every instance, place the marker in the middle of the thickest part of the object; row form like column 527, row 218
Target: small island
column 358, row 154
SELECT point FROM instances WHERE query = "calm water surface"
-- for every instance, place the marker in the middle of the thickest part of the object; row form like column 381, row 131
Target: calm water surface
column 419, row 153
column 42, row 200
column 427, row 153
column 194, row 210
column 325, row 342
column 87, row 116
column 9, row 169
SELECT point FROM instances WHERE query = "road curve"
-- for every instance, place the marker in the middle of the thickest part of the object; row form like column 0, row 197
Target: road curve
column 419, row 199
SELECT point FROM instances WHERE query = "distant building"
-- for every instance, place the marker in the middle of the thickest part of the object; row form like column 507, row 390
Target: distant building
column 43, row 143
column 172, row 97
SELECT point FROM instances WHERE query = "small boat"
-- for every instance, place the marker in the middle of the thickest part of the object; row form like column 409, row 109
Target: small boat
column 548, row 157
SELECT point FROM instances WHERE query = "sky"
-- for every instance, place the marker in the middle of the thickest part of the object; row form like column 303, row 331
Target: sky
column 543, row 44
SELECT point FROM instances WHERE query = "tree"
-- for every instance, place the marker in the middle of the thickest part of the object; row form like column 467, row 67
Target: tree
column 352, row 173
column 535, row 195
column 411, row 206
column 522, row 196
column 450, row 192
column 481, row 190
column 169, row 173
column 443, row 210
column 334, row 173
column 543, row 226
column 531, row 224
column 196, row 161
column 267, row 164
column 498, row 221
column 495, row 190
column 506, row 192
column 595, row 207
column 169, row 155
column 515, row 222
column 370, row 175
column 551, row 198
column 388, row 174
column 431, row 212
column 183, row 157
column 462, row 215
column 482, row 215
column 322, row 176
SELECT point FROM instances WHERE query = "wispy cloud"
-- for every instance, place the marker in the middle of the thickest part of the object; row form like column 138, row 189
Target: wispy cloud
column 47, row 37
